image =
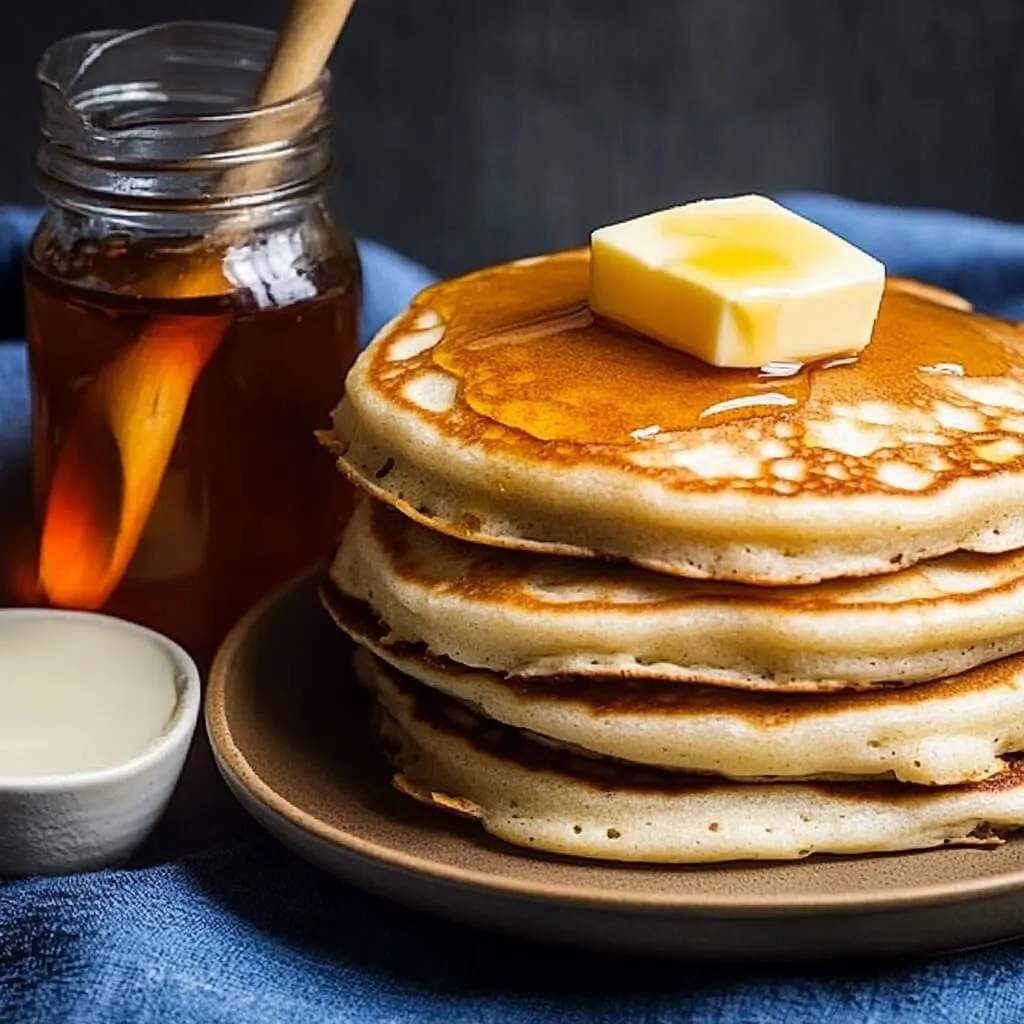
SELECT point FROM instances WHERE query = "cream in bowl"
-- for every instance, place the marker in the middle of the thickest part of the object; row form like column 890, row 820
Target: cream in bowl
column 96, row 717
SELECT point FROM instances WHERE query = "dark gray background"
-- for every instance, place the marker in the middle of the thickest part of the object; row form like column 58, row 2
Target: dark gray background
column 472, row 130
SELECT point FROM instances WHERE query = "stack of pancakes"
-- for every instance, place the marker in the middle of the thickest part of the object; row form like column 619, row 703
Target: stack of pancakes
column 616, row 603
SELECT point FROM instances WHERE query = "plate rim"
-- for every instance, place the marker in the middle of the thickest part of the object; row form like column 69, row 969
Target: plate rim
column 230, row 757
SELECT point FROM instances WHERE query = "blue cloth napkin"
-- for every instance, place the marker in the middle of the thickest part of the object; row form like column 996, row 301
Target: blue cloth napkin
column 248, row 933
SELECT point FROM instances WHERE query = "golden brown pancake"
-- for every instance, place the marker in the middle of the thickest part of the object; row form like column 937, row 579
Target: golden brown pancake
column 498, row 409
column 546, row 798
column 527, row 615
column 933, row 734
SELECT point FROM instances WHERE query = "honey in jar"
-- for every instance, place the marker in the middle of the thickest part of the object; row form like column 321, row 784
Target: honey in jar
column 190, row 318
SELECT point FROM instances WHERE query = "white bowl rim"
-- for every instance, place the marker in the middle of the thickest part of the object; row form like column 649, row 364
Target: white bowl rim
column 178, row 730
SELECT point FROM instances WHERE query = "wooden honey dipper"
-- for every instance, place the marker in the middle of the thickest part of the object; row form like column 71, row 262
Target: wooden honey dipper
column 140, row 399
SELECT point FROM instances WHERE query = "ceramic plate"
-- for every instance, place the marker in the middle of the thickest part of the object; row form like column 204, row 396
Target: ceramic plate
column 289, row 730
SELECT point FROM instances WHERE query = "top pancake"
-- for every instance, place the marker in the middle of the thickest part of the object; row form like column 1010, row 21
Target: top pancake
column 499, row 410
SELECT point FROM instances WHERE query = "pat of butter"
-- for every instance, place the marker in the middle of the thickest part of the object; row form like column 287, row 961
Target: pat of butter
column 736, row 282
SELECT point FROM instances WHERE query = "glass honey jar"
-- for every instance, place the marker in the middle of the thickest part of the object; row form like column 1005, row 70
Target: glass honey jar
column 191, row 313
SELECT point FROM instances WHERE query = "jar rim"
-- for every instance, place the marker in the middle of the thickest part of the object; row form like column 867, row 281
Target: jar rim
column 166, row 115
column 96, row 44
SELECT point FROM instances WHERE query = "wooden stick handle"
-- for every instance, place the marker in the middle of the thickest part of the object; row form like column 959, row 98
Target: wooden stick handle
column 306, row 40
column 304, row 43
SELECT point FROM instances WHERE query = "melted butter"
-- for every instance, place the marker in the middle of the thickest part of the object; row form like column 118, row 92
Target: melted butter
column 758, row 265
column 744, row 244
column 531, row 356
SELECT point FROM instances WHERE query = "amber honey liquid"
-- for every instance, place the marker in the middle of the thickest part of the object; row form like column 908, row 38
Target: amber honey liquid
column 249, row 498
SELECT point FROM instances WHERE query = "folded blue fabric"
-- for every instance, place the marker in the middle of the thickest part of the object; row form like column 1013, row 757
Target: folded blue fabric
column 250, row 934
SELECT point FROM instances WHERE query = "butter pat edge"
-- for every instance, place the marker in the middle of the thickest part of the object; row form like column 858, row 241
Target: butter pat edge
column 823, row 302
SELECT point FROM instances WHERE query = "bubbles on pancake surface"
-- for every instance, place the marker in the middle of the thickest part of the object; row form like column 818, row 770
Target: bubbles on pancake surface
column 516, row 349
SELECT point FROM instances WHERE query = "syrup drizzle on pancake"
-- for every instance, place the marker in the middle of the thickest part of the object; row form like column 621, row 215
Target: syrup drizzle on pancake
column 534, row 357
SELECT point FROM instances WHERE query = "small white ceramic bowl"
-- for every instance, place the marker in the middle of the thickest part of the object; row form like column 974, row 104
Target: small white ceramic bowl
column 83, row 821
